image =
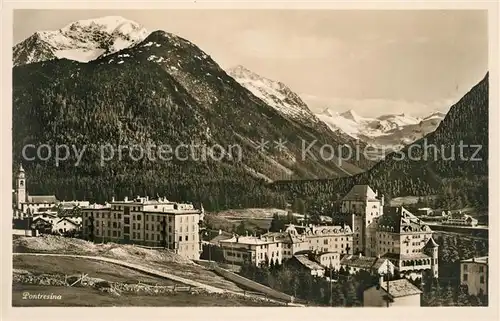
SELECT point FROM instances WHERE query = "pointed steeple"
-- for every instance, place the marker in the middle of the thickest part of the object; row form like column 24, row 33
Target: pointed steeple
column 431, row 243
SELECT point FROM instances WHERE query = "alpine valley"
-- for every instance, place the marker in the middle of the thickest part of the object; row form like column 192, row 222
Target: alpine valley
column 109, row 81
column 149, row 91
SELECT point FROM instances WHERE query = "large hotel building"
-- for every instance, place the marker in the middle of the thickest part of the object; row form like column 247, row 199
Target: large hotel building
column 155, row 223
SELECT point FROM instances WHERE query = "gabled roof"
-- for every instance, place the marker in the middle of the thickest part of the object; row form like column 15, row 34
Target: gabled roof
column 412, row 256
column 400, row 288
column 400, row 220
column 311, row 265
column 360, row 193
column 431, row 243
column 41, row 199
column 363, row 262
column 69, row 220
column 482, row 259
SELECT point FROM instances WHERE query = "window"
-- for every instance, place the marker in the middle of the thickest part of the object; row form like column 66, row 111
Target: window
column 180, row 238
column 138, row 226
column 126, row 220
column 126, row 229
column 109, row 233
column 146, row 227
column 133, row 217
column 481, row 279
column 481, row 269
column 119, row 216
column 138, row 217
column 147, row 236
column 114, row 233
column 465, row 267
column 133, row 226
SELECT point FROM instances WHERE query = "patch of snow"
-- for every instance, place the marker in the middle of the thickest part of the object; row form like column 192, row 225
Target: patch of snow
column 81, row 55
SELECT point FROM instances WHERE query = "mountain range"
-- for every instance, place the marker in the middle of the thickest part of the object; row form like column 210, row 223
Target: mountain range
column 109, row 81
column 386, row 131
column 163, row 89
column 450, row 163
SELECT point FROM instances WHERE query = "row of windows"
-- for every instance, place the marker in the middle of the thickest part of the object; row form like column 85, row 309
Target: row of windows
column 109, row 233
column 465, row 278
column 109, row 224
column 236, row 254
column 481, row 268
column 102, row 215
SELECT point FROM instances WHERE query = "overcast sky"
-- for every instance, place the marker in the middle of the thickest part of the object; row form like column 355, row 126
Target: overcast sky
column 374, row 62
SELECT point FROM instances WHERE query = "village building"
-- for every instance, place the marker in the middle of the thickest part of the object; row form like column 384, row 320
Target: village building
column 359, row 208
column 325, row 238
column 460, row 219
column 406, row 241
column 329, row 260
column 302, row 262
column 374, row 265
column 67, row 225
column 424, row 211
column 292, row 242
column 250, row 249
column 392, row 293
column 474, row 274
column 156, row 223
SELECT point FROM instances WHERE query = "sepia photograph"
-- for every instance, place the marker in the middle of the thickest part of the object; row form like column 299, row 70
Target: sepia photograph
column 250, row 158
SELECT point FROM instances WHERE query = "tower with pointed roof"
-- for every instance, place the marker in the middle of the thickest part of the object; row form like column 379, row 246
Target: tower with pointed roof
column 360, row 207
column 20, row 187
column 431, row 249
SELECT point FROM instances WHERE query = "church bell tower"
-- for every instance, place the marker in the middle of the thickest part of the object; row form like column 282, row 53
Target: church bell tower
column 20, row 187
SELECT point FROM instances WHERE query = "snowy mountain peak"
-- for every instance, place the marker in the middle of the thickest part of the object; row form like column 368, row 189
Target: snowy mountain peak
column 82, row 40
column 391, row 130
column 328, row 112
column 274, row 93
column 352, row 115
column 108, row 24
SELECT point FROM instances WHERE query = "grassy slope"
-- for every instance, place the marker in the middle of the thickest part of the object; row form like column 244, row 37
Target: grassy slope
column 69, row 266
column 89, row 297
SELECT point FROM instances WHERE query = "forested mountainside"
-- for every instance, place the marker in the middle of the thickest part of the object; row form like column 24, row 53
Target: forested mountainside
column 164, row 90
column 457, row 180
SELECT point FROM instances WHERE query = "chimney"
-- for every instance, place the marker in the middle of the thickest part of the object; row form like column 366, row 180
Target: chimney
column 280, row 230
column 220, row 231
column 381, row 279
column 112, row 199
column 360, row 255
column 126, row 199
column 473, row 259
column 147, row 198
